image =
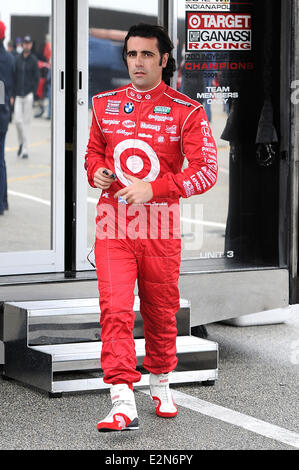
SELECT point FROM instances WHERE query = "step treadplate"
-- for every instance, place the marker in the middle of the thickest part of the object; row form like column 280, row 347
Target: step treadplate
column 92, row 350
column 70, row 306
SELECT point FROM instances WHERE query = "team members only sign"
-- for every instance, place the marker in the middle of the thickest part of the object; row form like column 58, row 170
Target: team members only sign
column 218, row 32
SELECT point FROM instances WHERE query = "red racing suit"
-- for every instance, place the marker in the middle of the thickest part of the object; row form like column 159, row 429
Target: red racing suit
column 145, row 134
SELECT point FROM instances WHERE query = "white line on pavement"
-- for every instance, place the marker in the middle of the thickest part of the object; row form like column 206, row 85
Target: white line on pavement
column 234, row 417
column 224, row 170
column 202, row 222
column 92, row 200
column 27, row 196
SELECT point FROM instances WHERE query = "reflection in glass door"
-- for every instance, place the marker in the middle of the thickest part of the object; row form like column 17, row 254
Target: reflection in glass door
column 230, row 226
column 203, row 217
column 31, row 229
column 105, row 70
column 226, row 62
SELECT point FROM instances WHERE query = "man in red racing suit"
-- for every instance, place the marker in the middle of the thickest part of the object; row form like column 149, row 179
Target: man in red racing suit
column 141, row 133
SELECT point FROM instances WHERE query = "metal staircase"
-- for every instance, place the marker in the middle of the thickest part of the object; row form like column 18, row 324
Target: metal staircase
column 55, row 346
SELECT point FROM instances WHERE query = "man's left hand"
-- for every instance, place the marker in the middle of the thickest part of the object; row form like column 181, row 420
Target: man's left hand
column 137, row 193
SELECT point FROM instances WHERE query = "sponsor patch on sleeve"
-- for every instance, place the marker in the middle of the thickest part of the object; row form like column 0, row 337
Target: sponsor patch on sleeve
column 102, row 95
column 189, row 188
column 185, row 103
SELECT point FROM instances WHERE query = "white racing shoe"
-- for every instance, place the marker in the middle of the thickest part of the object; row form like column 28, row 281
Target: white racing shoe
column 123, row 415
column 161, row 395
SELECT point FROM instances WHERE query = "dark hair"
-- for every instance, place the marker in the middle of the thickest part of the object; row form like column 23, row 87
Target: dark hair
column 165, row 44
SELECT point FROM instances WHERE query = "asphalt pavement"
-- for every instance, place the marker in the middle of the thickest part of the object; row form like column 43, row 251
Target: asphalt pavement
column 258, row 378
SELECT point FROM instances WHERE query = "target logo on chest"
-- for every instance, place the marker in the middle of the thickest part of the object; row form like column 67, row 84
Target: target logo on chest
column 137, row 157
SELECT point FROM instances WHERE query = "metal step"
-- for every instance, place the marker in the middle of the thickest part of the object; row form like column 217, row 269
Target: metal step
column 198, row 359
column 42, row 365
column 204, row 377
column 78, row 320
column 79, row 356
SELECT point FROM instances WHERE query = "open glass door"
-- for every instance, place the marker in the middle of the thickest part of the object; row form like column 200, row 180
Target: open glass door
column 32, row 229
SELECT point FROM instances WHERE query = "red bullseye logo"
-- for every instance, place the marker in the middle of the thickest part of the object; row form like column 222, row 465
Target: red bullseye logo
column 126, row 160
column 194, row 21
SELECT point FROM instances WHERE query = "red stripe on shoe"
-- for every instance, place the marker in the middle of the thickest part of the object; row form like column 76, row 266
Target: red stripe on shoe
column 120, row 422
column 163, row 414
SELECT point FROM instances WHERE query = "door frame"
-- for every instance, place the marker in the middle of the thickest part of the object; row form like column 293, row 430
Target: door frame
column 52, row 260
column 81, row 140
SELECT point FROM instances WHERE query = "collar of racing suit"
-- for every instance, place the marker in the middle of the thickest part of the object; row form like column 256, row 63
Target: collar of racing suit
column 147, row 95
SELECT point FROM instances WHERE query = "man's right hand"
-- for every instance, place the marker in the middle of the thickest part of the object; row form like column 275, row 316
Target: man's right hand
column 101, row 180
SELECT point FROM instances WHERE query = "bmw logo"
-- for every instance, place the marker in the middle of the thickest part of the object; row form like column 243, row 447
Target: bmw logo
column 129, row 108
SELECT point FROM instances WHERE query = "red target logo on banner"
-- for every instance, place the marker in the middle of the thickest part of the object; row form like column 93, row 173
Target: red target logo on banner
column 194, row 21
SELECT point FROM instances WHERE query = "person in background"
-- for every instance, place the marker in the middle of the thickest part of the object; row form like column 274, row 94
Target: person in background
column 44, row 66
column 49, row 93
column 6, row 84
column 26, row 81
column 48, row 54
column 10, row 47
column 19, row 48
